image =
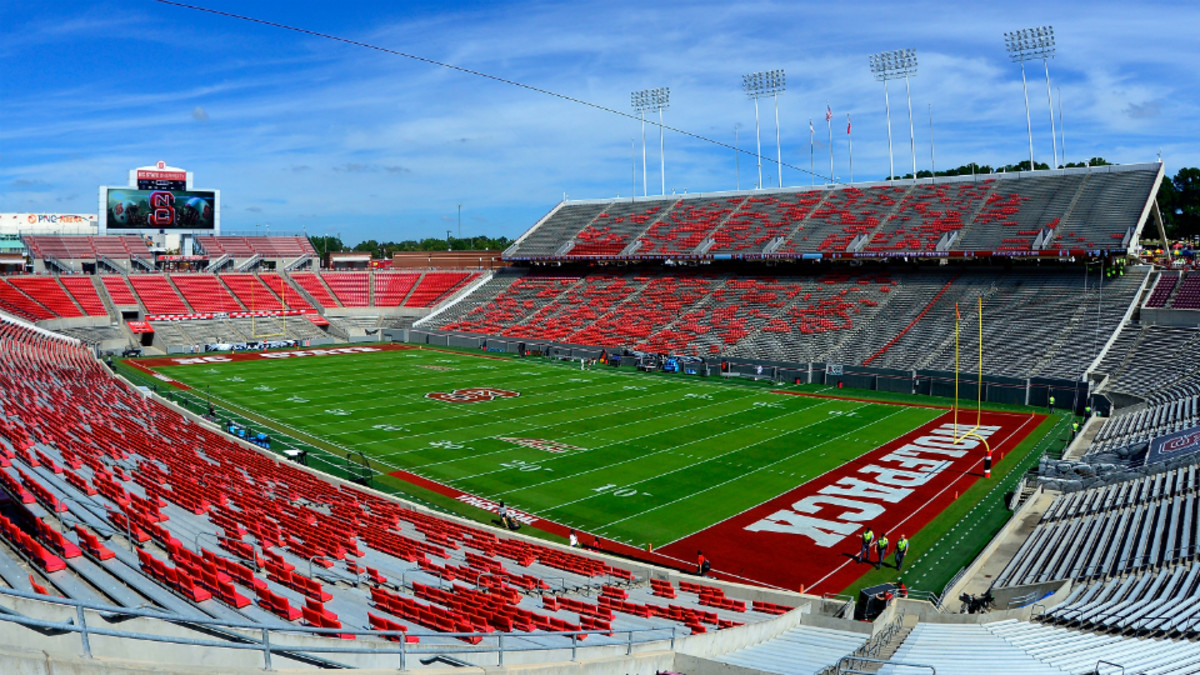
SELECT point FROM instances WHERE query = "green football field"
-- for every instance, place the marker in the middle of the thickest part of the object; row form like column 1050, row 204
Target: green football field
column 650, row 459
column 635, row 458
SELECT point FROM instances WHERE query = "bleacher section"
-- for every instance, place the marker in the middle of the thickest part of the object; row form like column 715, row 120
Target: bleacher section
column 1035, row 323
column 1072, row 210
column 248, row 247
column 205, row 293
column 1163, row 289
column 1188, row 296
column 222, row 531
column 49, row 293
column 1106, row 532
column 392, row 287
column 13, row 300
column 1145, row 367
column 351, row 288
column 615, row 228
column 158, row 295
column 86, row 247
column 83, row 290
column 287, row 293
column 312, row 284
column 1022, row 647
column 119, row 291
column 437, row 286
column 1129, row 431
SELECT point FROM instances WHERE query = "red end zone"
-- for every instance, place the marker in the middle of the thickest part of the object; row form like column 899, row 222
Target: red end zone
column 808, row 537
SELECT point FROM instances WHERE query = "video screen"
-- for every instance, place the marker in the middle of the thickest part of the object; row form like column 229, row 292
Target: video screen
column 129, row 209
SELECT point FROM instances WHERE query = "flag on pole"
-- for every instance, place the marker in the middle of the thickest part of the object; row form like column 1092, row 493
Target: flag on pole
column 811, row 131
column 957, row 315
column 829, row 128
column 850, row 146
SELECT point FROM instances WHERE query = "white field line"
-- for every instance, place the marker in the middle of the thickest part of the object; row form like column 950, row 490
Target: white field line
column 752, row 471
column 624, row 405
column 421, row 404
column 670, row 449
column 824, row 473
column 691, row 412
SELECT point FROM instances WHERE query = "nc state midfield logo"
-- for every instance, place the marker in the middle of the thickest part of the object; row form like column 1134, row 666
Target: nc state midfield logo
column 472, row 395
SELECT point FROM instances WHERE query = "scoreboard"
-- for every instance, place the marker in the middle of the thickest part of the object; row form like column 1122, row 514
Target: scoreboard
column 159, row 198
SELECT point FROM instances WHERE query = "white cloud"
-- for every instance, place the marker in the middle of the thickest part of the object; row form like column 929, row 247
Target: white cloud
column 326, row 135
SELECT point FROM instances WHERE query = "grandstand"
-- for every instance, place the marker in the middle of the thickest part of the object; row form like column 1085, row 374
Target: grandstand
column 1087, row 209
column 121, row 504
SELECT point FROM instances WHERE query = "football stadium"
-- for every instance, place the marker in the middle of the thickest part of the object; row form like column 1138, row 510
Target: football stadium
column 920, row 424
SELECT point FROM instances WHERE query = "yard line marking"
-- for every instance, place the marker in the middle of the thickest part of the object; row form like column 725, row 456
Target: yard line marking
column 740, row 477
column 690, row 411
column 658, row 452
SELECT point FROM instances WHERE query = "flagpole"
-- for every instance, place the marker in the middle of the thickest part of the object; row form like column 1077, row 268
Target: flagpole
column 811, row 153
column 850, row 142
column 829, row 126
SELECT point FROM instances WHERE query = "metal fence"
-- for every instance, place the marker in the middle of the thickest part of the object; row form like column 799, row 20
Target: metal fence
column 488, row 648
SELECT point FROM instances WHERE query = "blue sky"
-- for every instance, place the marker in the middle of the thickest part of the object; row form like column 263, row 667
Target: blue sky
column 301, row 133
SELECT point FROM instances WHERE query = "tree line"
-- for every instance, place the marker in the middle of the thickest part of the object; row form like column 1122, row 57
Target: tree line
column 382, row 250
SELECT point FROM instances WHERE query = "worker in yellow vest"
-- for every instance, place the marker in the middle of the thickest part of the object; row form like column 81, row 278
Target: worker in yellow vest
column 868, row 538
column 901, row 551
column 881, row 547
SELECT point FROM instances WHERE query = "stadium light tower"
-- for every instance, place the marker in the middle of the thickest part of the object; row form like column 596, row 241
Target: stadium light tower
column 757, row 85
column 652, row 100
column 891, row 66
column 1026, row 44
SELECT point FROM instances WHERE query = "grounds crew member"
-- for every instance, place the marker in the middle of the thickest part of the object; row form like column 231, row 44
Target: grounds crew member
column 867, row 538
column 1074, row 428
column 901, row 551
column 881, row 547
column 1051, row 402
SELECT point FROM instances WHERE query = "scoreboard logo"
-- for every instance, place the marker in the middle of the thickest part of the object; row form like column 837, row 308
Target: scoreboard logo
column 471, row 395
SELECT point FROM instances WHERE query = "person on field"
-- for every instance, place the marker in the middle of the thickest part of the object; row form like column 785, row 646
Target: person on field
column 881, row 547
column 702, row 564
column 868, row 538
column 505, row 518
column 572, row 539
column 901, row 551
column 1052, row 403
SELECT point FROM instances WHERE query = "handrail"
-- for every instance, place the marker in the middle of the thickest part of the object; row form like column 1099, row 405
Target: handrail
column 265, row 645
column 880, row 662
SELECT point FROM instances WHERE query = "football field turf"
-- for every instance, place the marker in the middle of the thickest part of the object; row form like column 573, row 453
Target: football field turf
column 635, row 459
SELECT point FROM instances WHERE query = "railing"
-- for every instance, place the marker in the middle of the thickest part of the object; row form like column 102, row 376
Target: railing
column 846, row 608
column 869, row 649
column 491, row 646
column 950, row 586
column 928, row 596
column 848, row 670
